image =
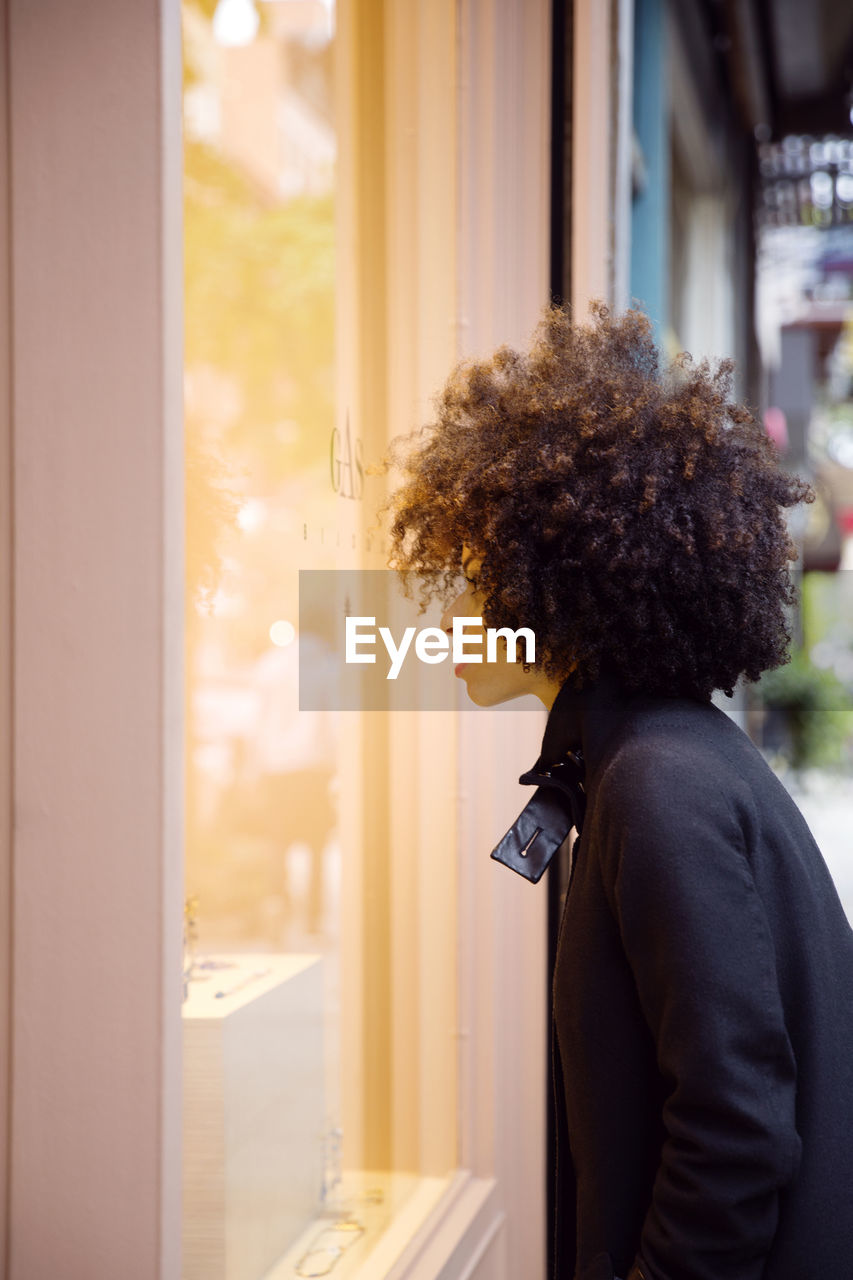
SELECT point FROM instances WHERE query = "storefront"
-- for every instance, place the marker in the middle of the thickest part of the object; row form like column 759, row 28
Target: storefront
column 244, row 243
column 360, row 196
column 347, row 196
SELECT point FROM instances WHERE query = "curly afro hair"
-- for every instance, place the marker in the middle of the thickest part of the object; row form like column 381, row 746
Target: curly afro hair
column 631, row 515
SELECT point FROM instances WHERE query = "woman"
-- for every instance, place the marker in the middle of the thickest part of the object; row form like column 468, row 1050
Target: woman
column 632, row 516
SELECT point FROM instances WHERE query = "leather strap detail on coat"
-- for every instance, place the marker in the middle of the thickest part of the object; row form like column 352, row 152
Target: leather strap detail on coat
column 547, row 819
column 565, row 776
column 535, row 836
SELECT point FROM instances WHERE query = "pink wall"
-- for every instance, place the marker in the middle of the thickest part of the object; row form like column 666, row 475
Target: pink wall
column 94, row 122
column 5, row 646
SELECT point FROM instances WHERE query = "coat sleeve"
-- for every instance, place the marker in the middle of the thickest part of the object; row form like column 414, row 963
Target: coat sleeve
column 697, row 939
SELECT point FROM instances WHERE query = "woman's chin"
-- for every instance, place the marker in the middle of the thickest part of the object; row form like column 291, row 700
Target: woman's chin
column 493, row 696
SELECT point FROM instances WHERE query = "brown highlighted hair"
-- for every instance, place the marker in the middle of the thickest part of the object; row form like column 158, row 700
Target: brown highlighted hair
column 631, row 514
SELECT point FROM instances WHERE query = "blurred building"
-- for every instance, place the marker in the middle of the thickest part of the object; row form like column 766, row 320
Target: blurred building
column 727, row 205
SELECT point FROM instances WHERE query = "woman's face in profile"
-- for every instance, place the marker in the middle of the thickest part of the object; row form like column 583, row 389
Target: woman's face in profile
column 490, row 683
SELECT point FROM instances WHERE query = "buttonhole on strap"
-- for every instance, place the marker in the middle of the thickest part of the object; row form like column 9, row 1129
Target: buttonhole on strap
column 524, row 851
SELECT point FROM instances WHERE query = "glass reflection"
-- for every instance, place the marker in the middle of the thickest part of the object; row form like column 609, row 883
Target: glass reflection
column 262, row 1123
column 308, row 1118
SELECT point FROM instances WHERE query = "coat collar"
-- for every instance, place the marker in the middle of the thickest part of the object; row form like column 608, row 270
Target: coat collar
column 578, row 734
column 582, row 722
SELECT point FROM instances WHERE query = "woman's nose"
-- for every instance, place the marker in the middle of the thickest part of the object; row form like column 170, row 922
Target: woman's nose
column 447, row 617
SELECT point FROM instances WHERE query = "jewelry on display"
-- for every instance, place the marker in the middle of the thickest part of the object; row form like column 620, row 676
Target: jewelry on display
column 244, row 982
column 190, row 939
column 327, row 1247
column 332, row 1173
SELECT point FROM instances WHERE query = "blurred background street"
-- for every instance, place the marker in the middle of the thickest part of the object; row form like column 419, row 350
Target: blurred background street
column 825, row 802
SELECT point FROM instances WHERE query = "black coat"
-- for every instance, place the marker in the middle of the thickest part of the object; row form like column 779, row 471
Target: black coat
column 702, row 1002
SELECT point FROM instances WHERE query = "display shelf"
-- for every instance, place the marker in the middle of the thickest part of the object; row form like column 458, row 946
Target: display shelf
column 388, row 1207
column 254, row 1111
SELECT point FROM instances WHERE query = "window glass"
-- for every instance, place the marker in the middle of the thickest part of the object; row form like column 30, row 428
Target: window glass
column 293, row 1161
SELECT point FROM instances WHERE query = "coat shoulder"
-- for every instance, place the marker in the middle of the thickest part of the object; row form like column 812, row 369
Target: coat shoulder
column 678, row 756
column 688, row 777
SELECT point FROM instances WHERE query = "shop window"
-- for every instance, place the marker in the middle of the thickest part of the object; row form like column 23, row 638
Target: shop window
column 303, row 1095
